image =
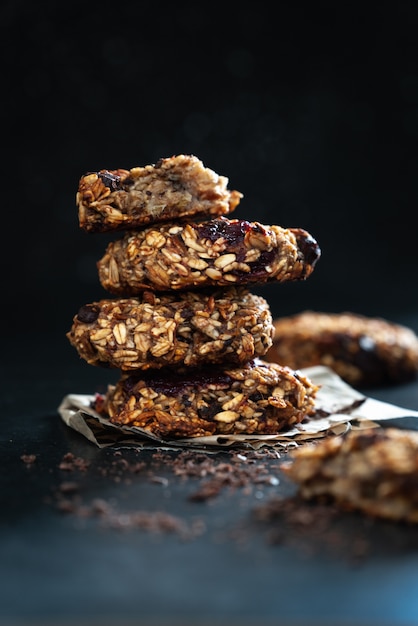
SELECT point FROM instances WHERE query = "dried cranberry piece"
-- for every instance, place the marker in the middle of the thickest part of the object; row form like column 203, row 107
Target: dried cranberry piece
column 88, row 313
column 176, row 384
column 233, row 231
column 308, row 246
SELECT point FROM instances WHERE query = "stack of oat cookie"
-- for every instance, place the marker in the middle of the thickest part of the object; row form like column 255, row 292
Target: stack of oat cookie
column 180, row 323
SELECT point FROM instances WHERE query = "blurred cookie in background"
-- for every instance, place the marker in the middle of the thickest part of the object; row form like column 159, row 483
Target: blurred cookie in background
column 363, row 351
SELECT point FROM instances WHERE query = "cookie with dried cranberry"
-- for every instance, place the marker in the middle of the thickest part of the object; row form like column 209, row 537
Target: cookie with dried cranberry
column 173, row 329
column 364, row 351
column 218, row 252
column 374, row 471
column 257, row 398
column 176, row 188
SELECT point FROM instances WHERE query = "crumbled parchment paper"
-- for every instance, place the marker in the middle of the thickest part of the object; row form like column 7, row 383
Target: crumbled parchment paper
column 338, row 408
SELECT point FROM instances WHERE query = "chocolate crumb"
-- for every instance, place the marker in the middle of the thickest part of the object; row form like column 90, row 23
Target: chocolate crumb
column 71, row 463
column 28, row 459
column 311, row 527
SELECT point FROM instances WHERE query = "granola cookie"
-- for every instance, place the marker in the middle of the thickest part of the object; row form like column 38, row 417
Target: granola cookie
column 218, row 252
column 258, row 397
column 373, row 470
column 175, row 188
column 363, row 351
column 191, row 329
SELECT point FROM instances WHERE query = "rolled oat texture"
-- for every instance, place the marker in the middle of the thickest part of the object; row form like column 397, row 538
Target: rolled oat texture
column 218, row 252
column 256, row 398
column 188, row 328
column 176, row 188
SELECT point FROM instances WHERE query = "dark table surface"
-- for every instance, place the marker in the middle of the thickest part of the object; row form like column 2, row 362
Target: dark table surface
column 132, row 536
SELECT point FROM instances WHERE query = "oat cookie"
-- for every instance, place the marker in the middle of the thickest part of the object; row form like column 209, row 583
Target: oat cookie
column 373, row 470
column 362, row 350
column 218, row 252
column 191, row 329
column 175, row 188
column 258, row 397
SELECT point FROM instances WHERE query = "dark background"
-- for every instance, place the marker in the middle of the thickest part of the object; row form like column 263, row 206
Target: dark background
column 310, row 110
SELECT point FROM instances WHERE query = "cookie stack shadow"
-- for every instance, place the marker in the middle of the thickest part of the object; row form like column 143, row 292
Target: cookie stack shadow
column 181, row 325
